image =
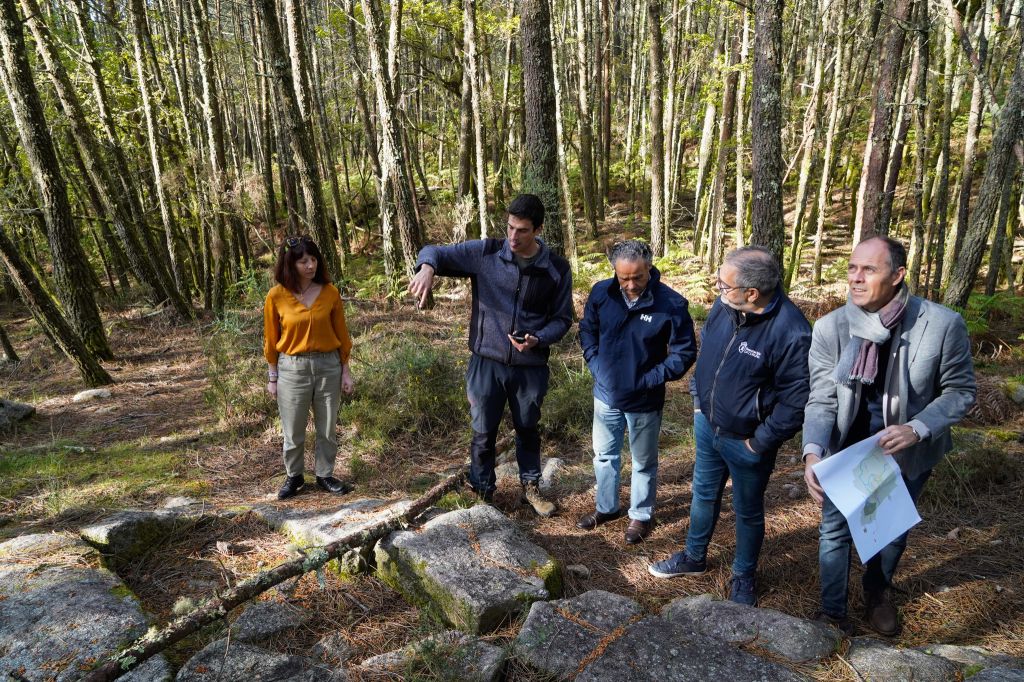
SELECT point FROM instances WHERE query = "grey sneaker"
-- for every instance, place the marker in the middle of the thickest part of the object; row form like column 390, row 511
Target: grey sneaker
column 531, row 496
column 676, row 565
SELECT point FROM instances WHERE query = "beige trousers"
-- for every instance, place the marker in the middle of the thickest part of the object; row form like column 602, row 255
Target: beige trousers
column 304, row 380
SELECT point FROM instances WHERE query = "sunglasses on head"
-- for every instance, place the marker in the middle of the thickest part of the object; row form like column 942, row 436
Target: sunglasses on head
column 292, row 242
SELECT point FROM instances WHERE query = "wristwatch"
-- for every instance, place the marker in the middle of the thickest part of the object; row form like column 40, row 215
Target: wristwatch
column 919, row 437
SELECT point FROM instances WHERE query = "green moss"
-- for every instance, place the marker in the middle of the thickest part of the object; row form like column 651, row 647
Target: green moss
column 1003, row 435
column 972, row 670
column 121, row 591
column 551, row 574
column 65, row 475
column 456, row 500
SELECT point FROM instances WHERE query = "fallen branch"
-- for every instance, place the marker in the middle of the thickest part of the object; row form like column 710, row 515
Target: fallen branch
column 214, row 609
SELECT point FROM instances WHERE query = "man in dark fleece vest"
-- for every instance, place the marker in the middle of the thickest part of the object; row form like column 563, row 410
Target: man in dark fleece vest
column 750, row 386
column 636, row 335
column 522, row 304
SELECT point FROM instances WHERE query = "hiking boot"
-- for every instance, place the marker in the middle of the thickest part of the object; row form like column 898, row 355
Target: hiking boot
column 292, row 485
column 333, row 485
column 531, row 496
column 841, row 623
column 676, row 565
column 880, row 613
column 743, row 589
column 637, row 531
column 595, row 519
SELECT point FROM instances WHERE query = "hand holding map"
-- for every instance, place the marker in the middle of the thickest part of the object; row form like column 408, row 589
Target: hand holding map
column 866, row 486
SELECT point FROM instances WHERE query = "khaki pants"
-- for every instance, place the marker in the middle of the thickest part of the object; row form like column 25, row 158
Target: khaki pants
column 304, row 380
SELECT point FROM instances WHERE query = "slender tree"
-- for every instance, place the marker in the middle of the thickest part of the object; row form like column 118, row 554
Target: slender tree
column 766, row 129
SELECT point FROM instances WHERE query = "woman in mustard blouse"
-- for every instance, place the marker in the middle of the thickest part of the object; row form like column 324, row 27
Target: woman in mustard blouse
column 307, row 347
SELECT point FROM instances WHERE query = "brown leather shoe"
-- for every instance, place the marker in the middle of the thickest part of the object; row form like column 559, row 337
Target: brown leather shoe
column 638, row 531
column 881, row 614
column 595, row 519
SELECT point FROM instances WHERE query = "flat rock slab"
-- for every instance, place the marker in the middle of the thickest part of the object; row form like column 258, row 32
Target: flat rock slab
column 318, row 528
column 265, row 619
column 998, row 675
column 795, row 639
column 11, row 413
column 223, row 660
column 558, row 635
column 875, row 660
column 972, row 656
column 450, row 655
column 472, row 565
column 127, row 535
column 602, row 636
column 63, row 613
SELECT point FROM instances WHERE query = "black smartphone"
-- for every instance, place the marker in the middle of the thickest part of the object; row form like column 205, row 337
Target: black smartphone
column 519, row 337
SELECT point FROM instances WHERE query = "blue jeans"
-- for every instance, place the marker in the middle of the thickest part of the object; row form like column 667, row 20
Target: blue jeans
column 834, row 555
column 490, row 386
column 718, row 458
column 609, row 430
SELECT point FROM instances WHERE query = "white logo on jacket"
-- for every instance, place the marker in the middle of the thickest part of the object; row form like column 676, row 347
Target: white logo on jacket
column 646, row 318
column 747, row 350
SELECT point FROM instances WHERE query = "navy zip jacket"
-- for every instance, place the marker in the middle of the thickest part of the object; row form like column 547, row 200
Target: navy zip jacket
column 752, row 378
column 632, row 352
column 536, row 299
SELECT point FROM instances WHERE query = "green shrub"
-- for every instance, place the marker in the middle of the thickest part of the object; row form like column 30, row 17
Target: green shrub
column 406, row 386
column 236, row 369
column 965, row 474
column 568, row 410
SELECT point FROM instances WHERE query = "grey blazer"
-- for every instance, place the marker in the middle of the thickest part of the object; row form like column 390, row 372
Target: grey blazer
column 929, row 383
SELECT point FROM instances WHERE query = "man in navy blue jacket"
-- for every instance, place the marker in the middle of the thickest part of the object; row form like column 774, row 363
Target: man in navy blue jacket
column 750, row 387
column 522, row 304
column 636, row 335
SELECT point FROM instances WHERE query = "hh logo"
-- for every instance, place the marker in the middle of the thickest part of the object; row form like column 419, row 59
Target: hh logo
column 747, row 350
column 646, row 318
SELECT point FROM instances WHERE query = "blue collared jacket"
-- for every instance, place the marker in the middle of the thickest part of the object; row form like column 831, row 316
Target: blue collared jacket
column 632, row 352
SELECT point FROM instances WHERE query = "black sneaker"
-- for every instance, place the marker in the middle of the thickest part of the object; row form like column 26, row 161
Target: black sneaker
column 676, row 565
column 841, row 623
column 292, row 485
column 743, row 590
column 333, row 485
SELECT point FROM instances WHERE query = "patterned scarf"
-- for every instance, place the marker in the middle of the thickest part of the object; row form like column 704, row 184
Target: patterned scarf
column 859, row 359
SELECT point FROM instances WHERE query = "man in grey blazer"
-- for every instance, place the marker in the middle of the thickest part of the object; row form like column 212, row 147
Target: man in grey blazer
column 891, row 363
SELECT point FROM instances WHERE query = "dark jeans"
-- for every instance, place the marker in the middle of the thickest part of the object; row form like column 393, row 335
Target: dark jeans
column 834, row 555
column 489, row 386
column 718, row 458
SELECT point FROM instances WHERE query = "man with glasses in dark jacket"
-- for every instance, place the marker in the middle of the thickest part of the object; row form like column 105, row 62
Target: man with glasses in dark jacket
column 750, row 387
column 636, row 335
column 522, row 304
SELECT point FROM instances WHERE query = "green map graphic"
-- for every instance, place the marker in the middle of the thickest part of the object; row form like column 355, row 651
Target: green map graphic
column 876, row 479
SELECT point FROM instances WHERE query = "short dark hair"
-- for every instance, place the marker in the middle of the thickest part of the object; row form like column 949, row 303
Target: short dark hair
column 756, row 268
column 291, row 250
column 528, row 206
column 897, row 252
column 631, row 250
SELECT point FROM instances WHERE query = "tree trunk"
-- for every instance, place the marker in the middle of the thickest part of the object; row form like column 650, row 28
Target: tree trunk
column 136, row 10
column 9, row 354
column 877, row 153
column 540, row 156
column 998, row 165
column 917, row 245
column 70, row 266
column 659, row 241
column 45, row 310
column 473, row 61
column 396, row 202
column 586, row 124
column 995, row 258
column 766, row 129
column 939, row 208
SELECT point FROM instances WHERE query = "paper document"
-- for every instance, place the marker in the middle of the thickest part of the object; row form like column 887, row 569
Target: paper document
column 866, row 486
